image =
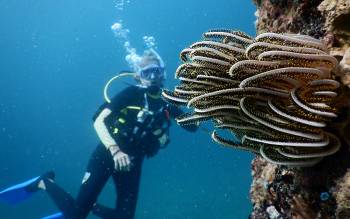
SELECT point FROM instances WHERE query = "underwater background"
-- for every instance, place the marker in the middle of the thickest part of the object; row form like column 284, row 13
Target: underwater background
column 55, row 58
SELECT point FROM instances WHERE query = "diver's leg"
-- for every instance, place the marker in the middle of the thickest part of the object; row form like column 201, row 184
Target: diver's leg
column 98, row 172
column 63, row 200
column 104, row 212
column 100, row 168
column 127, row 185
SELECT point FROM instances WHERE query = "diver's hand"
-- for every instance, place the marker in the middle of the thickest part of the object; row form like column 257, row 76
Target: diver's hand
column 121, row 161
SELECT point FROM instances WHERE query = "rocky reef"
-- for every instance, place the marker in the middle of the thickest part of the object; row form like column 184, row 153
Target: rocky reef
column 323, row 190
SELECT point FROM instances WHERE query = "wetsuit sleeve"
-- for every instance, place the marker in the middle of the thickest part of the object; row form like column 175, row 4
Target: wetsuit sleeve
column 175, row 112
column 102, row 130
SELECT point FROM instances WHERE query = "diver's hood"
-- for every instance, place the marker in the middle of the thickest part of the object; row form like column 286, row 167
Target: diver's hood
column 161, row 62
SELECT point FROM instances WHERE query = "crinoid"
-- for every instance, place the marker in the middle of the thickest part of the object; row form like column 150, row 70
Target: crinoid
column 274, row 93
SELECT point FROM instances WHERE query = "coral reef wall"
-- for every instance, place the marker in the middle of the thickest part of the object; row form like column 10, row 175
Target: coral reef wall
column 321, row 191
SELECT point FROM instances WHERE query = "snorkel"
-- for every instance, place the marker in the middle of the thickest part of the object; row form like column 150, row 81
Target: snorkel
column 149, row 72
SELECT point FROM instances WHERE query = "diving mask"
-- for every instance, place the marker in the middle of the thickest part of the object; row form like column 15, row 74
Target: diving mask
column 152, row 75
column 152, row 72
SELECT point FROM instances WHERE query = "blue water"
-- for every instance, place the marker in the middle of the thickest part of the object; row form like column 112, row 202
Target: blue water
column 55, row 57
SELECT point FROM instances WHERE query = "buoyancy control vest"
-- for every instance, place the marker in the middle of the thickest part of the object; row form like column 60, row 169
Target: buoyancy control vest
column 138, row 129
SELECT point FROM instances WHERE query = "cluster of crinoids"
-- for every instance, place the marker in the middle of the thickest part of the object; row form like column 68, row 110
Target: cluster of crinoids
column 273, row 92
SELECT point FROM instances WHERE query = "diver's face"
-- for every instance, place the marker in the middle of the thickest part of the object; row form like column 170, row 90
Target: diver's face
column 152, row 76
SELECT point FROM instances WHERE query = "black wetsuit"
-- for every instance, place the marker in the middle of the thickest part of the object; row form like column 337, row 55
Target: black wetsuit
column 136, row 133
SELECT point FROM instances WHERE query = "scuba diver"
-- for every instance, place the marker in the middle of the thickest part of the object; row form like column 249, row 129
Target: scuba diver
column 133, row 125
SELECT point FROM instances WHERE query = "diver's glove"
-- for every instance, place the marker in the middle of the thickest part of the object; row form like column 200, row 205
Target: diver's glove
column 121, row 159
